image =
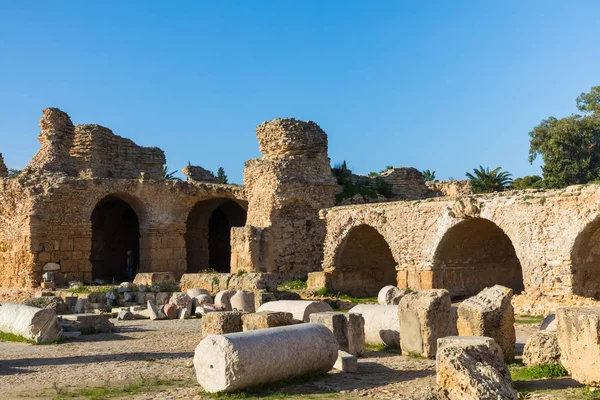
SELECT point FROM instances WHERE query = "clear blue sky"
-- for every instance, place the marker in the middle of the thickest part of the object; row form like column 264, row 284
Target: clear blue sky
column 441, row 85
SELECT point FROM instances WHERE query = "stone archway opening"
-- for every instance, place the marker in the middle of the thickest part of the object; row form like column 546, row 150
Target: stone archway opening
column 208, row 234
column 363, row 264
column 475, row 254
column 115, row 229
column 585, row 261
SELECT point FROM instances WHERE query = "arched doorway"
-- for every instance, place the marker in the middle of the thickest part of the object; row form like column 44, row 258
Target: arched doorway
column 115, row 229
column 585, row 261
column 363, row 264
column 208, row 233
column 475, row 254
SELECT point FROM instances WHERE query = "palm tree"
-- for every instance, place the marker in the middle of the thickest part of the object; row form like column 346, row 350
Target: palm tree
column 429, row 175
column 168, row 175
column 486, row 181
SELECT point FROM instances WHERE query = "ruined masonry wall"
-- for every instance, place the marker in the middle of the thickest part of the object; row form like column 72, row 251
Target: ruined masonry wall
column 16, row 205
column 98, row 152
column 60, row 230
column 542, row 225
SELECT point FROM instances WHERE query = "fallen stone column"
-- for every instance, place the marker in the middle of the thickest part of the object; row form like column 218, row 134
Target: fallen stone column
column 381, row 324
column 235, row 361
column 300, row 309
column 39, row 325
column 390, row 295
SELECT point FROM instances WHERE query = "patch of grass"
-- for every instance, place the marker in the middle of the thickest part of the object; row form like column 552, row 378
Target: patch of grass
column 298, row 284
column 323, row 292
column 528, row 319
column 382, row 347
column 542, row 201
column 416, row 356
column 269, row 391
column 241, row 272
column 9, row 337
column 357, row 300
column 108, row 392
column 537, row 372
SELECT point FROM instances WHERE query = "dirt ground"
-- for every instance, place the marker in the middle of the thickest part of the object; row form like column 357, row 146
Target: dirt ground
column 147, row 360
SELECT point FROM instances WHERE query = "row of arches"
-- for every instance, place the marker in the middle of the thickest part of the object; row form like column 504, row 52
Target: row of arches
column 472, row 255
column 116, row 230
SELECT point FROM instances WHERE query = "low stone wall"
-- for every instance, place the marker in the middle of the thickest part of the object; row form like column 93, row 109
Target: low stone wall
column 545, row 305
column 215, row 282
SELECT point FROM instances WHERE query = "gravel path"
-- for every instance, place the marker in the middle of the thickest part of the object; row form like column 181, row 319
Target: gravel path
column 149, row 350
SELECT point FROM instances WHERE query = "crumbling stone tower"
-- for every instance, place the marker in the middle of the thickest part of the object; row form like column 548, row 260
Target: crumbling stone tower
column 3, row 169
column 286, row 188
column 56, row 138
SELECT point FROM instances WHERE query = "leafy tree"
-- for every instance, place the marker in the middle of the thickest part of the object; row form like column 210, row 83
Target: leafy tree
column 528, row 182
column 169, row 175
column 429, row 175
column 221, row 177
column 569, row 146
column 13, row 173
column 373, row 174
column 486, row 181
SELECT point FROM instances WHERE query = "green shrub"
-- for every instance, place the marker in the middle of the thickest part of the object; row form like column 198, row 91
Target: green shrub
column 538, row 372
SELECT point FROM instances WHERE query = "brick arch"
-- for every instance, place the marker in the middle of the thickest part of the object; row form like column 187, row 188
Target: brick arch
column 207, row 236
column 363, row 263
column 473, row 254
column 585, row 261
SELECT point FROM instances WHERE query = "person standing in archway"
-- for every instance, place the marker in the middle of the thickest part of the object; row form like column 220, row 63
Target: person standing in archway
column 130, row 265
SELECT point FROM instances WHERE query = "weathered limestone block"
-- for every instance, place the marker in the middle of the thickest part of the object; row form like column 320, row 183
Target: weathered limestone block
column 542, row 348
column 214, row 283
column 425, row 316
column 381, row 324
column 348, row 329
column 195, row 173
column 390, row 295
column 162, row 298
column 469, row 370
column 39, row 325
column 243, row 300
column 549, row 323
column 317, row 280
column 88, row 323
column 578, row 331
column 197, row 292
column 300, row 309
column 346, row 362
column 170, row 310
column 223, row 299
column 154, row 312
column 221, row 322
column 154, row 278
column 81, row 305
column 266, row 319
column 235, row 361
column 490, row 313
column 462, row 340
column 181, row 301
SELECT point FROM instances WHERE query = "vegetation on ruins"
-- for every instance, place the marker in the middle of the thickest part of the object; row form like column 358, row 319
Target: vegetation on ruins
column 428, row 175
column 13, row 173
column 169, row 175
column 528, row 182
column 520, row 373
column 569, row 146
column 485, row 181
column 221, row 177
column 351, row 187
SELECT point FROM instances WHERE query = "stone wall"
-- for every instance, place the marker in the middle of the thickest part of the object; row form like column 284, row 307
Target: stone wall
column 286, row 187
column 455, row 188
column 98, row 152
column 16, row 206
column 90, row 151
column 195, row 173
column 552, row 234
